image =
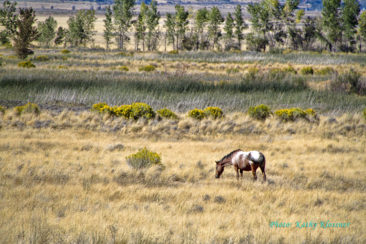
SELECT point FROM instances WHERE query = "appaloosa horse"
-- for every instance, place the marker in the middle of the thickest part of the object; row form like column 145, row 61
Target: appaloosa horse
column 248, row 161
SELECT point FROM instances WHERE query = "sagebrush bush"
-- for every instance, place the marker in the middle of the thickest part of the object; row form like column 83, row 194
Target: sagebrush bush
column 213, row 112
column 292, row 114
column 349, row 82
column 123, row 68
column 147, row 68
column 197, row 114
column 307, row 70
column 325, row 71
column 259, row 112
column 143, row 159
column 65, row 51
column 26, row 64
column 123, row 111
column 42, row 58
column 167, row 113
column 141, row 110
column 27, row 108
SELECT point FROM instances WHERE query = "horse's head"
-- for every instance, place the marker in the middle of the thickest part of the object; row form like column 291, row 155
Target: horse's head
column 219, row 169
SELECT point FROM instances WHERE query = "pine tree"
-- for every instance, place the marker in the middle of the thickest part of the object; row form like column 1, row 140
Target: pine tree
column 108, row 27
column 362, row 28
column 8, row 20
column 60, row 36
column 47, row 31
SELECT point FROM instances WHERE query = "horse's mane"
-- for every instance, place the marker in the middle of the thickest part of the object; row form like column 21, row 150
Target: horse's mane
column 230, row 154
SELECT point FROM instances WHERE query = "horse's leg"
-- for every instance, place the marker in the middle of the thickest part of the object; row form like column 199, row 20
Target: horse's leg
column 237, row 172
column 263, row 169
column 241, row 173
column 254, row 171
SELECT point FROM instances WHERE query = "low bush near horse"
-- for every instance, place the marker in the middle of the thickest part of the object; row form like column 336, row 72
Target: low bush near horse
column 214, row 112
column 143, row 159
column 260, row 112
column 27, row 108
column 197, row 114
column 167, row 113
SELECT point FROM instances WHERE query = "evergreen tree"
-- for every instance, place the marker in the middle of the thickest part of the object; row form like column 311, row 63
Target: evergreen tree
column 47, row 31
column 60, row 36
column 108, row 27
column 351, row 10
column 362, row 28
column 8, row 20
column 228, row 28
column 25, row 32
column 214, row 31
column 123, row 13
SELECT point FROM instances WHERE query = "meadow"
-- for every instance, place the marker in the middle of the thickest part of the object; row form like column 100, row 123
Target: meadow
column 64, row 176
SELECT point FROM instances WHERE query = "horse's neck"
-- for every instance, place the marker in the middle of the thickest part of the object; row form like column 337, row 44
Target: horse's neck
column 227, row 161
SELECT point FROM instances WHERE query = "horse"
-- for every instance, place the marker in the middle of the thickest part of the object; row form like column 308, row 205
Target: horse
column 242, row 161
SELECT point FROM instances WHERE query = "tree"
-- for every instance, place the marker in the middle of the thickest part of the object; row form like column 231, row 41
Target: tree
column 215, row 20
column 240, row 25
column 181, row 22
column 81, row 27
column 60, row 36
column 362, row 28
column 140, row 26
column 200, row 22
column 123, row 13
column 351, row 10
column 153, row 17
column 228, row 28
column 332, row 24
column 170, row 30
column 108, row 27
column 8, row 19
column 25, row 32
column 47, row 31
column 261, row 24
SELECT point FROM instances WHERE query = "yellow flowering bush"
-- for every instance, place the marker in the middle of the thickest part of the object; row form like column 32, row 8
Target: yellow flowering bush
column 101, row 107
column 293, row 114
column 197, row 114
column 27, row 108
column 259, row 112
column 214, row 112
column 123, row 111
column 143, row 159
column 167, row 113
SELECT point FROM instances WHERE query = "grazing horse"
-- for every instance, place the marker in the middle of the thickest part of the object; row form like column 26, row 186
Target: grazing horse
column 248, row 161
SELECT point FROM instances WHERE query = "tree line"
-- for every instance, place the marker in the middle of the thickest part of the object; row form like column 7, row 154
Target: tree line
column 274, row 26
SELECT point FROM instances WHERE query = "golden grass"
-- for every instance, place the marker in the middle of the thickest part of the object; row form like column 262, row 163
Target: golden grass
column 68, row 182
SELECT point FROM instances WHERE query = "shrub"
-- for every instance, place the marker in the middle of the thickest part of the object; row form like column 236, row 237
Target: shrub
column 141, row 110
column 173, row 52
column 349, row 82
column 167, row 113
column 2, row 110
column 307, row 70
column 123, row 111
column 260, row 112
column 293, row 114
column 232, row 71
column 27, row 108
column 290, row 69
column 252, row 71
column 214, row 112
column 65, row 51
column 123, row 68
column 147, row 68
column 42, row 58
column 197, row 114
column 143, row 159
column 101, row 107
column 26, row 64
column 325, row 71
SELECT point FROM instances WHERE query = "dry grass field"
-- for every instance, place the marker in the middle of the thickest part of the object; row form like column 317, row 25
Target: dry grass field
column 64, row 179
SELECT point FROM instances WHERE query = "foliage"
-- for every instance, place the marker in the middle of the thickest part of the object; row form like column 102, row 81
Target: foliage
column 331, row 22
column 215, row 19
column 197, row 114
column 42, row 58
column 307, row 70
column 228, row 28
column 292, row 114
column 239, row 25
column 60, row 35
column 147, row 68
column 350, row 12
column 259, row 112
column 25, row 33
column 47, row 31
column 123, row 13
column 101, row 107
column 81, row 27
column 349, row 82
column 152, row 23
column 232, row 70
column 143, row 159
column 65, row 51
column 290, row 69
column 124, row 111
column 123, row 68
column 27, row 108
column 173, row 52
column 8, row 20
column 108, row 27
column 26, row 64
column 325, row 71
column 214, row 112
column 141, row 110
column 167, row 113
column 2, row 109
column 179, row 25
